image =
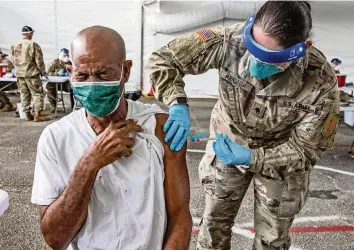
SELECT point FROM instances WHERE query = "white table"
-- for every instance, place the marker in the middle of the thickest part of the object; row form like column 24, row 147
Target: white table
column 51, row 79
column 349, row 108
column 347, row 89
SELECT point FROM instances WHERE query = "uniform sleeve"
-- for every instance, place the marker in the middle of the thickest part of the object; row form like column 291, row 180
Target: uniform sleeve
column 46, row 183
column 193, row 54
column 39, row 58
column 52, row 71
column 310, row 138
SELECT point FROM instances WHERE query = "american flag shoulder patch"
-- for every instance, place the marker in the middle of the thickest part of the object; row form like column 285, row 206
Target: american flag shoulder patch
column 205, row 34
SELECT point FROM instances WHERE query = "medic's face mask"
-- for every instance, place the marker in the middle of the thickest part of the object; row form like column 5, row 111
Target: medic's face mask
column 266, row 62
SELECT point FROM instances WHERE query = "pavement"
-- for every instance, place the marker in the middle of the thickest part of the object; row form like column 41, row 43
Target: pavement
column 326, row 222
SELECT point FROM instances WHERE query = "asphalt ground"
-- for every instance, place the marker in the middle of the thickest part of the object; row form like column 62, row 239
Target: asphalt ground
column 326, row 222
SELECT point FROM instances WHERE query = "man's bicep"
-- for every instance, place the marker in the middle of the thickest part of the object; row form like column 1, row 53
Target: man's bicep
column 176, row 183
column 177, row 189
column 42, row 211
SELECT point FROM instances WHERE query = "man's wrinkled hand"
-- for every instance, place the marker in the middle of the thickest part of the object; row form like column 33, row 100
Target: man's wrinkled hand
column 231, row 153
column 177, row 125
column 113, row 143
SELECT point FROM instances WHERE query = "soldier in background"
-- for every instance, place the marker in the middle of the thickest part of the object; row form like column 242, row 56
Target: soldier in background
column 5, row 60
column 5, row 104
column 277, row 112
column 27, row 57
column 58, row 67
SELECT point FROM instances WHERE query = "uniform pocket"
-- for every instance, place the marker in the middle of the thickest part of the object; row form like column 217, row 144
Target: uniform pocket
column 294, row 195
column 207, row 171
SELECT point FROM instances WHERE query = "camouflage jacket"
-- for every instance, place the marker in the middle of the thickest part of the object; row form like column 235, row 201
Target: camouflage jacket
column 56, row 66
column 10, row 66
column 27, row 57
column 287, row 120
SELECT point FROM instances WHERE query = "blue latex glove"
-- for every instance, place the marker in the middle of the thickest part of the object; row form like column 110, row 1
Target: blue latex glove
column 61, row 72
column 67, row 73
column 177, row 125
column 231, row 153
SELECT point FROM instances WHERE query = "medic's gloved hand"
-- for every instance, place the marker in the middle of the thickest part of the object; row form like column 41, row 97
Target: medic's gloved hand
column 67, row 73
column 61, row 72
column 177, row 125
column 231, row 153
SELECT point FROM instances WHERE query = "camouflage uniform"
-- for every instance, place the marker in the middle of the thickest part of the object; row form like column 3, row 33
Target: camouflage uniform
column 287, row 121
column 345, row 98
column 10, row 66
column 53, row 70
column 28, row 60
column 3, row 99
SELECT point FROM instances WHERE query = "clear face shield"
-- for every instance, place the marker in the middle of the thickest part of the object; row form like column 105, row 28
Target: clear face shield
column 265, row 62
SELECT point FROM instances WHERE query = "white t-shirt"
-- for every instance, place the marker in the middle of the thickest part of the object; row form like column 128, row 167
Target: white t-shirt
column 127, row 205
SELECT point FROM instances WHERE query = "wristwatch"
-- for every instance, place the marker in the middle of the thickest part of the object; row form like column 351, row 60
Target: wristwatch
column 180, row 100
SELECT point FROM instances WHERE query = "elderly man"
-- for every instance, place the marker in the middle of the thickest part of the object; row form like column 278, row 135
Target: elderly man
column 27, row 57
column 104, row 177
column 58, row 67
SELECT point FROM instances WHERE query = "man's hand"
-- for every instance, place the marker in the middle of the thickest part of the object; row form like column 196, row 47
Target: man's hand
column 177, row 125
column 231, row 153
column 113, row 143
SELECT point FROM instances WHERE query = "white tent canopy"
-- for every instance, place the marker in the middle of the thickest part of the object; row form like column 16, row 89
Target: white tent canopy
column 332, row 31
column 56, row 23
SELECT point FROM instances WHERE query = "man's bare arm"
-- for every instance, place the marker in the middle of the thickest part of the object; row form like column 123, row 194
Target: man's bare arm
column 177, row 193
column 62, row 220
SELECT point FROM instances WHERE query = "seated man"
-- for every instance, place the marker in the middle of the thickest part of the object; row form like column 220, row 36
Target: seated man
column 5, row 60
column 104, row 177
column 5, row 104
column 59, row 68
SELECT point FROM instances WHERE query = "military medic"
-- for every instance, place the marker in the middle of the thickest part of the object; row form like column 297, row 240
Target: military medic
column 59, row 68
column 29, row 65
column 277, row 113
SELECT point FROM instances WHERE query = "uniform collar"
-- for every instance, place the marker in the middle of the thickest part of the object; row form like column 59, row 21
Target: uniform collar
column 288, row 83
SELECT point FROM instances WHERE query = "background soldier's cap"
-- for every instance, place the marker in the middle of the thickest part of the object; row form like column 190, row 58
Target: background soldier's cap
column 27, row 30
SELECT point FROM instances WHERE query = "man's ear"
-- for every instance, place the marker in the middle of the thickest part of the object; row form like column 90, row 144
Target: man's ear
column 127, row 67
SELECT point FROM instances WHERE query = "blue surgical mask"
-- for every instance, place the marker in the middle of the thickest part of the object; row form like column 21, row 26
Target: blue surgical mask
column 98, row 98
column 262, row 70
